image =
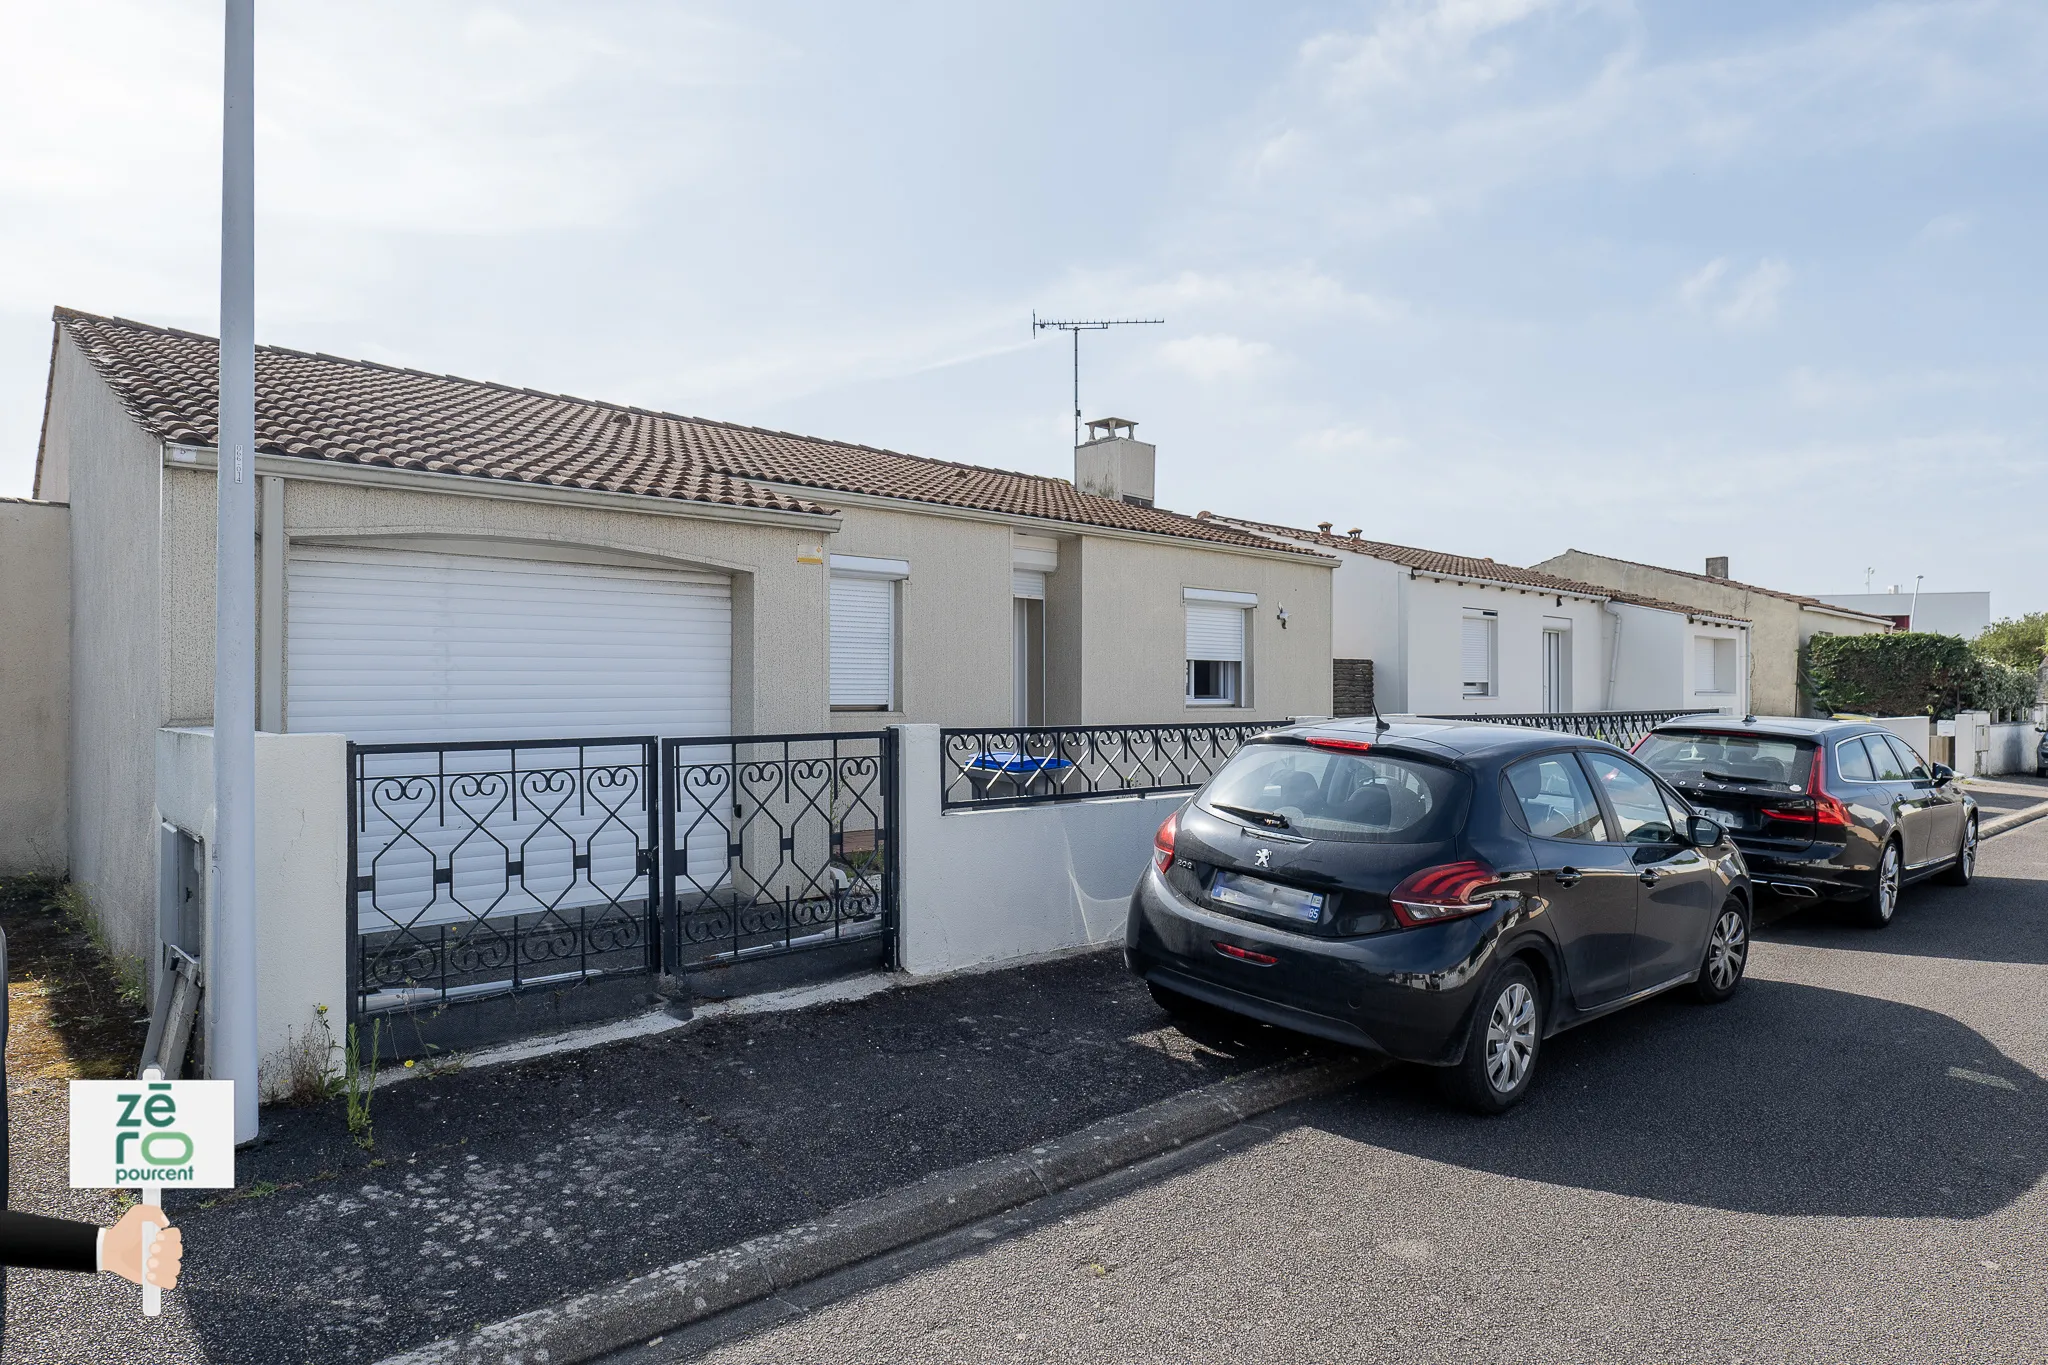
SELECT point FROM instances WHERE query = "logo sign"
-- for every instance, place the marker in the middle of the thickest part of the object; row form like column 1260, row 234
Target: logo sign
column 173, row 1133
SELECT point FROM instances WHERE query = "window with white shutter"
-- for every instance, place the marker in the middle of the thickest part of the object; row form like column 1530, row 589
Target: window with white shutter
column 864, row 632
column 1216, row 647
column 1476, row 654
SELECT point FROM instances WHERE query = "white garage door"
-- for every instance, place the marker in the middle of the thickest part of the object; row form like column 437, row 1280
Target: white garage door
column 394, row 645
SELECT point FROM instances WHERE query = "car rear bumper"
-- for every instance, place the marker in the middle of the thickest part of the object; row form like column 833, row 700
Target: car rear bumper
column 1407, row 993
column 1825, row 873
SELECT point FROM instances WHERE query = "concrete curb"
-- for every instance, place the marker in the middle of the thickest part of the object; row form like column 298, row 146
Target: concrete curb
column 631, row 1311
column 2014, row 820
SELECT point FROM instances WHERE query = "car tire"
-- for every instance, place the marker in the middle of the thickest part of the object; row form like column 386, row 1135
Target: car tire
column 1881, row 906
column 1965, row 866
column 1727, row 955
column 1502, row 1044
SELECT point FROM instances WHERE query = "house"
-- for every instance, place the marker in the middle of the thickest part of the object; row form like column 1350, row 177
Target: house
column 1967, row 614
column 1781, row 622
column 1444, row 634
column 442, row 559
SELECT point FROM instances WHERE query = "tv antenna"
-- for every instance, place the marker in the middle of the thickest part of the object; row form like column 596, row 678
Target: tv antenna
column 1078, row 326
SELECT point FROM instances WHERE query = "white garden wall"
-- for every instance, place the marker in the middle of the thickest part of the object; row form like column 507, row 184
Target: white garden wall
column 987, row 886
column 301, row 872
column 2012, row 749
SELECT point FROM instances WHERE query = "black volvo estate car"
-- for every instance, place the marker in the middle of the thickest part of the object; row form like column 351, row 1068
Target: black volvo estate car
column 1446, row 893
column 1822, row 809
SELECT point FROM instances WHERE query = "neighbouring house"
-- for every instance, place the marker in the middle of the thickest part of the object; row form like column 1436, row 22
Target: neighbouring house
column 1780, row 622
column 443, row 559
column 1967, row 614
column 1431, row 633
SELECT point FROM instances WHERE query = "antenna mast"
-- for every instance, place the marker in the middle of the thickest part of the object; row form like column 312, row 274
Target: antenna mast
column 1078, row 326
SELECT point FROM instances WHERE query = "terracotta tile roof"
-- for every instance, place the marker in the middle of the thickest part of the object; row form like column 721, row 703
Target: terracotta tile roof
column 1465, row 566
column 1813, row 602
column 322, row 407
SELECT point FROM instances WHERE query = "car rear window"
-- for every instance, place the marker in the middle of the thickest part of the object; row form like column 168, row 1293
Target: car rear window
column 1333, row 794
column 1683, row 756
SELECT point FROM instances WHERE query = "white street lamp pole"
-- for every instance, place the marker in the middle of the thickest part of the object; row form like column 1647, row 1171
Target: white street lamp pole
column 234, row 590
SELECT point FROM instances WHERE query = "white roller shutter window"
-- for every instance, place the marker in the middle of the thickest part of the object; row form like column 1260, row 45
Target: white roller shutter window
column 390, row 645
column 1713, row 664
column 1027, row 583
column 863, row 642
column 1215, row 632
column 1476, row 656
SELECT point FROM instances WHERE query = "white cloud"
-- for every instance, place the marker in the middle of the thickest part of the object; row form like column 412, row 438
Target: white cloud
column 1748, row 301
column 1212, row 356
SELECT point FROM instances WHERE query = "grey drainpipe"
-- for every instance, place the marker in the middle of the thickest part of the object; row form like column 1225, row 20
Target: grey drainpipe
column 1614, row 652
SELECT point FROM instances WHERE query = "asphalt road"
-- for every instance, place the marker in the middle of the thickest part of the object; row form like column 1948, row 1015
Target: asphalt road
column 1844, row 1163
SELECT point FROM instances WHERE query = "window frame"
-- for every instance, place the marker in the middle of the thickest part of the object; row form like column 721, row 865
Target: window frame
column 1491, row 620
column 1513, row 801
column 1237, row 671
column 892, row 574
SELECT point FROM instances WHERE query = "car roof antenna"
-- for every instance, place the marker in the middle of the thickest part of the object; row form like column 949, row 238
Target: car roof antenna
column 1377, row 718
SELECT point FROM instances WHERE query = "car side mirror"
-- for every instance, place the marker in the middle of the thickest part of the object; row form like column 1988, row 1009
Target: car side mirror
column 1704, row 833
column 1942, row 774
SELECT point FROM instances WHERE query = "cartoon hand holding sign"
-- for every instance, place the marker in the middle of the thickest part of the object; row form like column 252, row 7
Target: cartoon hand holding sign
column 147, row 1134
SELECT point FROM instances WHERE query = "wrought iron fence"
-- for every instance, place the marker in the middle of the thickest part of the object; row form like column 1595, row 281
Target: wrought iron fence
column 1027, row 766
column 1625, row 728
column 776, row 844
column 494, row 866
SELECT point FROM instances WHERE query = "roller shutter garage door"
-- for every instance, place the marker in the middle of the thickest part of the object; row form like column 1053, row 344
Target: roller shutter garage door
column 395, row 645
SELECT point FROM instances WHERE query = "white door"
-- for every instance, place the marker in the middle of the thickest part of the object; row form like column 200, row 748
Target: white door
column 1557, row 671
column 395, row 645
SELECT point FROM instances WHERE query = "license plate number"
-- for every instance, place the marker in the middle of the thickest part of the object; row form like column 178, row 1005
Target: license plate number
column 1269, row 898
column 1726, row 819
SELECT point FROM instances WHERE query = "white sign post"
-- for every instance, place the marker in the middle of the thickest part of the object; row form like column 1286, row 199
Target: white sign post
column 151, row 1133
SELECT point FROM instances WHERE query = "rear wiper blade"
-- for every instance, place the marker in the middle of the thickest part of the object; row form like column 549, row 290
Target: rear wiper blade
column 1270, row 819
column 1751, row 781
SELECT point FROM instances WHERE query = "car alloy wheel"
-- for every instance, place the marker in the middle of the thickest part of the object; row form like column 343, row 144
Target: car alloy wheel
column 1511, row 1038
column 1727, row 949
column 1884, row 897
column 1965, row 865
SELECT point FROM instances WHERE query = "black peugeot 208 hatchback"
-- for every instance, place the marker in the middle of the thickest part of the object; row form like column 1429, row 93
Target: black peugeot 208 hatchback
column 1445, row 893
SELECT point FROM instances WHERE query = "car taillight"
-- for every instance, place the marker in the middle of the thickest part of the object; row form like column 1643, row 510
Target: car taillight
column 1162, row 842
column 1827, row 810
column 1446, row 891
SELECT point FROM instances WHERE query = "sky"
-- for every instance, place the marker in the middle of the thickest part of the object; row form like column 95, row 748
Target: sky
column 1497, row 277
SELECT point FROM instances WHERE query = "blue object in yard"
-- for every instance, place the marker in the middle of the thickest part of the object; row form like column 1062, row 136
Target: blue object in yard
column 1010, row 761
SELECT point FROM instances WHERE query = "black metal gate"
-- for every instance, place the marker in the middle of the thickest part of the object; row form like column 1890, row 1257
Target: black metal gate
column 505, row 871
column 498, row 867
column 778, row 858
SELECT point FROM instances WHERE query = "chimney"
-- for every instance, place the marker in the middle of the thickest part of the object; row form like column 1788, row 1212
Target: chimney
column 1114, row 463
column 1324, row 526
column 1717, row 566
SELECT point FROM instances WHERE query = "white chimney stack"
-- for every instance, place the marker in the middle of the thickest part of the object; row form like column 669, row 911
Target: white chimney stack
column 1113, row 463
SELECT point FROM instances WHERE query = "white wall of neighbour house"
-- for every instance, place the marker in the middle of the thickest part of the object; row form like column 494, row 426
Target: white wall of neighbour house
column 987, row 886
column 1436, row 611
column 1702, row 689
column 35, row 687
column 94, row 453
column 301, row 886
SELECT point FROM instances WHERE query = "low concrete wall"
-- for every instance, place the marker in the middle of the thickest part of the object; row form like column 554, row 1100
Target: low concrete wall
column 2013, row 749
column 985, row 886
column 35, row 688
column 301, row 875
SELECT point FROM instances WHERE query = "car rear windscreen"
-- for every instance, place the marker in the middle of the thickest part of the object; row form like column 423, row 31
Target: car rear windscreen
column 1332, row 794
column 1684, row 756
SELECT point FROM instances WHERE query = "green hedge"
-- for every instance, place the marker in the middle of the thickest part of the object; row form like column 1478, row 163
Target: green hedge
column 1910, row 674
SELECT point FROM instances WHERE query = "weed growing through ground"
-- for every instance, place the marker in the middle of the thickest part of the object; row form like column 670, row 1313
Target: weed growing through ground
column 304, row 1067
column 358, row 1081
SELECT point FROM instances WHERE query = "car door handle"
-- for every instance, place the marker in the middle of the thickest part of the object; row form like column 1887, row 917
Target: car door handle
column 1567, row 876
column 1649, row 875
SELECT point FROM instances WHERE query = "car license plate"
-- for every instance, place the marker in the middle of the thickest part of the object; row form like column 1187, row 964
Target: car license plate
column 1726, row 819
column 1268, row 898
